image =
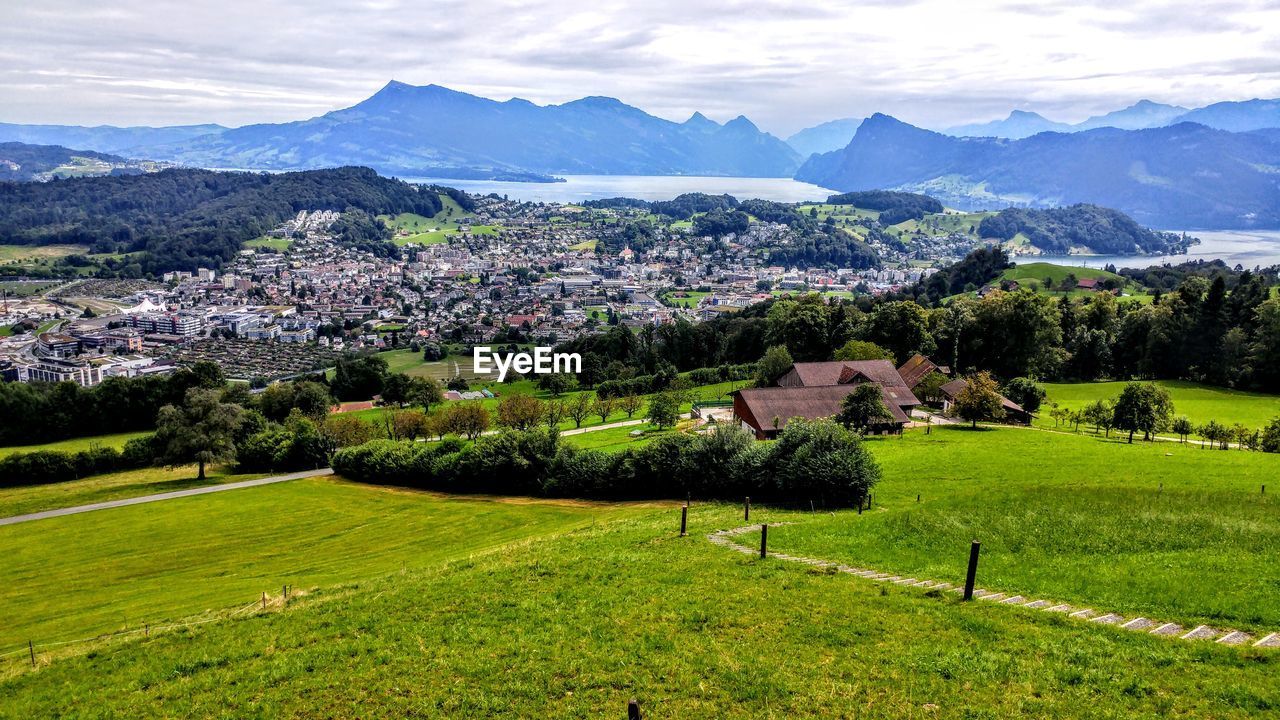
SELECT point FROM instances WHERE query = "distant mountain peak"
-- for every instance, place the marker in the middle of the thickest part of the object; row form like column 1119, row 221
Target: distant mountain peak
column 698, row 121
column 741, row 123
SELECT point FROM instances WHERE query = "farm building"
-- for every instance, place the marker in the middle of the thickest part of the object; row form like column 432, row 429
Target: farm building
column 817, row 390
column 1012, row 410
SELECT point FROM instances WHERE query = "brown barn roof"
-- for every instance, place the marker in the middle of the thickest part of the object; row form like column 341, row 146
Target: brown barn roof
column 915, row 370
column 831, row 372
column 820, row 401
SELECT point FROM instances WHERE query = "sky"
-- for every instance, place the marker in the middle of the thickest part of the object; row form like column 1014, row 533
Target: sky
column 785, row 65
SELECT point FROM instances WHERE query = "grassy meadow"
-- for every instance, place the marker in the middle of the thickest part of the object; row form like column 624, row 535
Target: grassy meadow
column 23, row 253
column 183, row 557
column 1157, row 529
column 573, row 624
column 1200, row 403
column 116, row 440
column 111, row 486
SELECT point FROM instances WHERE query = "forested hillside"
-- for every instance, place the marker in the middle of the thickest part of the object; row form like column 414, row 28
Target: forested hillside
column 21, row 162
column 183, row 219
column 894, row 207
column 1058, row 230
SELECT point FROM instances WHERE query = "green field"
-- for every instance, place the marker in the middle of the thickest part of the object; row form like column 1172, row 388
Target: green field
column 116, row 441
column 277, row 244
column 23, row 253
column 186, row 556
column 1200, row 403
column 575, row 623
column 1158, row 529
column 687, row 299
column 411, row 228
column 110, row 486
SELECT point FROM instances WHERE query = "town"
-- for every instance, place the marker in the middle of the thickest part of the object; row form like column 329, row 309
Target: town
column 499, row 271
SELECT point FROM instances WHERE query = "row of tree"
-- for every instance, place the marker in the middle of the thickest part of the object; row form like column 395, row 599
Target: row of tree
column 811, row 460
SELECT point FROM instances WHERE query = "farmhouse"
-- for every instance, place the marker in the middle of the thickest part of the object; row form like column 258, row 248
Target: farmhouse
column 817, row 390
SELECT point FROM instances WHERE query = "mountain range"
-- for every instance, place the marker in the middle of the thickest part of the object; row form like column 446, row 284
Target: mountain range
column 1233, row 116
column 1183, row 175
column 435, row 131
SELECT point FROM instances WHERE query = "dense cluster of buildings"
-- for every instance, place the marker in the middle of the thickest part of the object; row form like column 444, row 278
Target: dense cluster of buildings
column 543, row 272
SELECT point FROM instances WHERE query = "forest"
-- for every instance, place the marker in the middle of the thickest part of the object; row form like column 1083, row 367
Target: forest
column 894, row 207
column 182, row 219
column 1102, row 230
column 1218, row 326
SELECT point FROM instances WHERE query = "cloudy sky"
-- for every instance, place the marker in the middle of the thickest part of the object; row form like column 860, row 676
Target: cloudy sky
column 786, row 65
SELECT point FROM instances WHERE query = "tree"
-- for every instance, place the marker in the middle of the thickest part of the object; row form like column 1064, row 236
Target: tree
column 631, row 404
column 408, row 425
column 863, row 408
column 359, row 378
column 1270, row 440
column 1142, row 407
column 1183, row 427
column 1212, row 432
column 579, row 408
column 1099, row 414
column 862, row 350
column 202, row 430
column 775, row 363
column 395, row 389
column 604, row 407
column 553, row 413
column 1025, row 392
column 312, row 399
column 519, row 411
column 345, row 430
column 554, row 383
column 664, row 410
column 425, row 392
column 930, row 387
column 468, row 419
column 979, row 399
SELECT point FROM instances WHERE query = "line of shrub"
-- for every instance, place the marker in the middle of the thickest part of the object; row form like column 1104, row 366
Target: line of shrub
column 49, row 466
column 811, row 460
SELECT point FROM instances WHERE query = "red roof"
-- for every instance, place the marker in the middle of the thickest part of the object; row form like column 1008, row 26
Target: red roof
column 821, row 401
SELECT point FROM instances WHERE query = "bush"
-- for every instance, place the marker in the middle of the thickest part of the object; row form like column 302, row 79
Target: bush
column 817, row 460
column 50, row 466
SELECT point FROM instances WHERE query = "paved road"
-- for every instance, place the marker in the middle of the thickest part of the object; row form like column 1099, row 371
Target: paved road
column 162, row 496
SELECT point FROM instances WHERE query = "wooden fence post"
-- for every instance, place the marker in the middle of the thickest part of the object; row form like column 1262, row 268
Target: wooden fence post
column 633, row 710
column 746, row 509
column 684, row 520
column 973, row 570
column 764, row 541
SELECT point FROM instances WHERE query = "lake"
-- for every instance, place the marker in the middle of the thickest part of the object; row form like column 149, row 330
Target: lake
column 1247, row 248
column 578, row 188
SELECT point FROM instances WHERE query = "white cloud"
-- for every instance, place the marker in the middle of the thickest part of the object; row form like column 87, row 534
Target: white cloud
column 932, row 62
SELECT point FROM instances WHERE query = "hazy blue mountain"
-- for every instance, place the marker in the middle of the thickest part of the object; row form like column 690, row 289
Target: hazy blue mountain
column 433, row 130
column 828, row 136
column 1184, row 175
column 1237, row 116
column 103, row 138
column 1019, row 124
column 1138, row 116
